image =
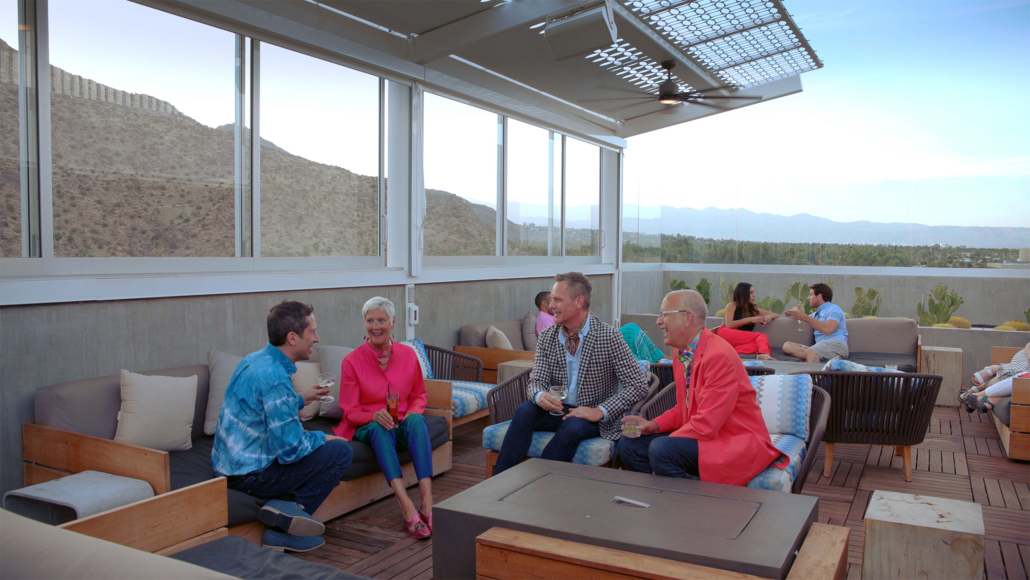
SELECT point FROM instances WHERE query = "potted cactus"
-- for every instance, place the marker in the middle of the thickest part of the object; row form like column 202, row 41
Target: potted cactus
column 940, row 306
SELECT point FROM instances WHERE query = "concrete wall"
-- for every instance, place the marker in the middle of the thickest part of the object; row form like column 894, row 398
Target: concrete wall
column 445, row 308
column 642, row 292
column 48, row 344
column 986, row 300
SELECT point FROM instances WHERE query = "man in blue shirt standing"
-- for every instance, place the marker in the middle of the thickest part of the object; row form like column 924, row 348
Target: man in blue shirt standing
column 261, row 446
column 828, row 322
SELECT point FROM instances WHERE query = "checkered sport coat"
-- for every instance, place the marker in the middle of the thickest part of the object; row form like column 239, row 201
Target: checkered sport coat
column 605, row 361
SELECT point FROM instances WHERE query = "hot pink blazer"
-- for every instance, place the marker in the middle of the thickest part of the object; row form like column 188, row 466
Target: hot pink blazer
column 722, row 415
column 363, row 386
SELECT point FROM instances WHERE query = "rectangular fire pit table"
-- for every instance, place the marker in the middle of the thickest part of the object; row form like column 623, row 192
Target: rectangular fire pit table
column 721, row 526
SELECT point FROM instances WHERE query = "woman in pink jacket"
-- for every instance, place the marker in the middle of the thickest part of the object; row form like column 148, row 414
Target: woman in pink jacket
column 378, row 367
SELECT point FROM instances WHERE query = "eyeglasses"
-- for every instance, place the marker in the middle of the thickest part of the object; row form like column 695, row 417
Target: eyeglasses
column 664, row 313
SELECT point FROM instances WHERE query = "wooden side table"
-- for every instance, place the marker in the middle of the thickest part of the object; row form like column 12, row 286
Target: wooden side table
column 947, row 362
column 917, row 536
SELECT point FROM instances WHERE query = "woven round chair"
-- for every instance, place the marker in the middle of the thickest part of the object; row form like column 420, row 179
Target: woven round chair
column 878, row 409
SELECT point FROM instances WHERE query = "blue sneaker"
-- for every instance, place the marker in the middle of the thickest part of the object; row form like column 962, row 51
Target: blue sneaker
column 289, row 517
column 280, row 541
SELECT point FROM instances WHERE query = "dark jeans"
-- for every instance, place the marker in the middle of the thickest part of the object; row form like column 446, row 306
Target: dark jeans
column 312, row 478
column 660, row 454
column 412, row 434
column 528, row 418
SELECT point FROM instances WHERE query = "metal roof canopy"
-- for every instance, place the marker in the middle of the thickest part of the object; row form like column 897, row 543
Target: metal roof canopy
column 493, row 51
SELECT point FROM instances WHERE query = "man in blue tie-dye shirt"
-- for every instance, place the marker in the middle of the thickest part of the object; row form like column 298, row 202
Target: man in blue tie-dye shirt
column 260, row 444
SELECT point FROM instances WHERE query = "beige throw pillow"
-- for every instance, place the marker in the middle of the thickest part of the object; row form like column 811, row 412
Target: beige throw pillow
column 222, row 366
column 307, row 375
column 331, row 361
column 157, row 412
column 496, row 339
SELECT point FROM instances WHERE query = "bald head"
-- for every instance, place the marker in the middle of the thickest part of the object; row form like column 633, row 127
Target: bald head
column 679, row 327
column 689, row 300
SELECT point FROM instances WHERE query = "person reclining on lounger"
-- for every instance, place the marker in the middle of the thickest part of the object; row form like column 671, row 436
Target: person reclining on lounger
column 261, row 446
column 828, row 322
column 590, row 359
column 994, row 383
column 716, row 435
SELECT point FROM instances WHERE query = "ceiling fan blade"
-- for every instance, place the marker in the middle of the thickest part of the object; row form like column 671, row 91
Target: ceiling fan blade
column 711, row 106
column 683, row 96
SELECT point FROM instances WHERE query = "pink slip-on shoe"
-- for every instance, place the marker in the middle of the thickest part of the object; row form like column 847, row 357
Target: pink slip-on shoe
column 416, row 527
column 428, row 520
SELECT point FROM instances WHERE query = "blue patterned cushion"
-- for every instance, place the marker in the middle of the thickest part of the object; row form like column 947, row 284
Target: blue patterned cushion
column 853, row 367
column 774, row 479
column 467, row 398
column 596, row 451
column 785, row 401
column 754, row 363
column 423, row 356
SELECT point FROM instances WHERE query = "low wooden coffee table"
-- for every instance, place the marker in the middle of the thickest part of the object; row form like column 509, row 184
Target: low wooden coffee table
column 732, row 528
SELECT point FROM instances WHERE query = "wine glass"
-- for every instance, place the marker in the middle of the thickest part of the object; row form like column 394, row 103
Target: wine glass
column 392, row 402
column 559, row 392
column 326, row 380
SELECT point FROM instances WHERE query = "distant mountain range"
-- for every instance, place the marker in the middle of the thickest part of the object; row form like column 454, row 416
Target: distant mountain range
column 728, row 224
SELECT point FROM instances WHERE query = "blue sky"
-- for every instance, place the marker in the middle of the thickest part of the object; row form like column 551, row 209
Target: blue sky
column 921, row 113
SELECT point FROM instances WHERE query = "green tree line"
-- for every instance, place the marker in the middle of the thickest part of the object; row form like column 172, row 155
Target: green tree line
column 692, row 250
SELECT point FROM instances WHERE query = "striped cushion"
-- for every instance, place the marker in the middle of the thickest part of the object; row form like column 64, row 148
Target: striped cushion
column 753, row 363
column 423, row 356
column 596, row 451
column 774, row 479
column 468, row 398
column 853, row 367
column 786, row 401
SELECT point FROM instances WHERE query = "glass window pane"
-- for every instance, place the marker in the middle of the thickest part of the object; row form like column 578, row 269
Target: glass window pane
column 532, row 214
column 319, row 157
column 460, row 166
column 582, row 197
column 10, row 144
column 641, row 213
column 142, row 115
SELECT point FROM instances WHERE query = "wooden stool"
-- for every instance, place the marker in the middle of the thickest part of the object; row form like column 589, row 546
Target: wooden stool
column 917, row 536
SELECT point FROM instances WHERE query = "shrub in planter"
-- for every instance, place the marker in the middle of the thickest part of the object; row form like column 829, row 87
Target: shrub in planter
column 1003, row 327
column 959, row 322
column 1017, row 325
column 943, row 325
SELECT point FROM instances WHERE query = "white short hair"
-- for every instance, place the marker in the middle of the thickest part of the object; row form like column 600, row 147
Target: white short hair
column 376, row 303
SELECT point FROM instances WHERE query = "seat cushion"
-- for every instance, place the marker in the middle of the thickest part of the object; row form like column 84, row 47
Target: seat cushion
column 785, row 401
column 194, row 466
column 468, row 398
column 423, row 357
column 906, row 362
column 854, row 367
column 775, row 479
column 596, row 451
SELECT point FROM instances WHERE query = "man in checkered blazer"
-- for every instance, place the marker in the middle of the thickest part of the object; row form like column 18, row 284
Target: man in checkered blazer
column 593, row 360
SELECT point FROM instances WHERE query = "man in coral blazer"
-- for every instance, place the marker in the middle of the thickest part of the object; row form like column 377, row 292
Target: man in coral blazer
column 716, row 434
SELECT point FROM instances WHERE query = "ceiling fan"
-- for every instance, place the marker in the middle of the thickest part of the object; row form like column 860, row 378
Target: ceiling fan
column 668, row 93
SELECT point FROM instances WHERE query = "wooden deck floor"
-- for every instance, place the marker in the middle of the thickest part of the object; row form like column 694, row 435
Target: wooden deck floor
column 961, row 458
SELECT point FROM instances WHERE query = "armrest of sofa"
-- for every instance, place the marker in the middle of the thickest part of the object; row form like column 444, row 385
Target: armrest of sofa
column 165, row 523
column 439, row 402
column 492, row 357
column 70, row 452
